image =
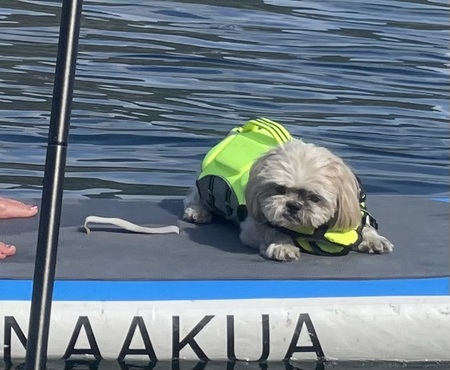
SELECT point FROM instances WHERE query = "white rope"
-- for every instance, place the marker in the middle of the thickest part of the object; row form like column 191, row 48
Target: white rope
column 129, row 226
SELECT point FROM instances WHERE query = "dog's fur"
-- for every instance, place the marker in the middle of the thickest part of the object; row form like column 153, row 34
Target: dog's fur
column 296, row 184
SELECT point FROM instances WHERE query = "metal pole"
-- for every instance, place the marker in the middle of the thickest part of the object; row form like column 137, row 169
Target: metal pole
column 44, row 272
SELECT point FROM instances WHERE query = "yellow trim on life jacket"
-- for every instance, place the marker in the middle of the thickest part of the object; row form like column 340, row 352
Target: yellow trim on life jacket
column 326, row 242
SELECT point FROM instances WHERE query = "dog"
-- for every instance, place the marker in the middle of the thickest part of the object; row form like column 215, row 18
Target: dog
column 298, row 186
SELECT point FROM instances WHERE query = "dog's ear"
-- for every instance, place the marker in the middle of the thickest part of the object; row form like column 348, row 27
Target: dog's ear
column 348, row 213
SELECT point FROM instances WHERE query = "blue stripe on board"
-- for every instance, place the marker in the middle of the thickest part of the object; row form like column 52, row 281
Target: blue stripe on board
column 226, row 289
column 443, row 199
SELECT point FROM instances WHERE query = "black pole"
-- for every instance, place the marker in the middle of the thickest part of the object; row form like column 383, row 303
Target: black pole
column 44, row 270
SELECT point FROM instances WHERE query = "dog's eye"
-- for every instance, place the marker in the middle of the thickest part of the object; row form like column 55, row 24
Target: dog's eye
column 280, row 189
column 314, row 198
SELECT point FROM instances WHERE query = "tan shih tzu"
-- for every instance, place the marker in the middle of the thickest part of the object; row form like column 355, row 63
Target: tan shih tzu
column 298, row 196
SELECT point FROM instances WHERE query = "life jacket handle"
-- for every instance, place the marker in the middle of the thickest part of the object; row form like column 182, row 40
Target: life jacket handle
column 278, row 132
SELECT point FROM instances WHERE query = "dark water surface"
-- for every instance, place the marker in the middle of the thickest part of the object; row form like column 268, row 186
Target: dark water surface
column 159, row 82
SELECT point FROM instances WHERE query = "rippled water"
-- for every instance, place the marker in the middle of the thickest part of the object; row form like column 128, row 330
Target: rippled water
column 159, row 82
column 213, row 365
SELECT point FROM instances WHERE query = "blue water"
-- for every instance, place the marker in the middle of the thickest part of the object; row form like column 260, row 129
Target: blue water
column 159, row 82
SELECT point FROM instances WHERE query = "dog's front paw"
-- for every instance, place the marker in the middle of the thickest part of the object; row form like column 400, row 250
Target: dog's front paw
column 198, row 215
column 378, row 245
column 282, row 252
column 374, row 243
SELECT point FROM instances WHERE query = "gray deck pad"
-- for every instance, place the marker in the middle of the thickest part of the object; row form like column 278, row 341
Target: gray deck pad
column 417, row 226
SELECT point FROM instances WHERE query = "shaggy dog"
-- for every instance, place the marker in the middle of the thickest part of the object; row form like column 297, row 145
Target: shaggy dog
column 296, row 185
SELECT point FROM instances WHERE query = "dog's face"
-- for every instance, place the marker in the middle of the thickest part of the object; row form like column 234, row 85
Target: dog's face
column 300, row 184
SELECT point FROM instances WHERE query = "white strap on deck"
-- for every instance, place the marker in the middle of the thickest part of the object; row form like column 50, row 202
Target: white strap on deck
column 129, row 226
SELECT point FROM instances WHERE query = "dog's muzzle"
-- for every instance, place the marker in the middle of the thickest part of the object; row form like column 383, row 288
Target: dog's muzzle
column 293, row 207
column 292, row 210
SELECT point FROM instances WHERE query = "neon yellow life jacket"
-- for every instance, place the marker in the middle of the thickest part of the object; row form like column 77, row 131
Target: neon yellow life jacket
column 224, row 176
column 226, row 167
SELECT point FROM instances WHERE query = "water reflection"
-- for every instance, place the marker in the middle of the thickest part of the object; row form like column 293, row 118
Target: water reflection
column 173, row 365
column 158, row 83
column 213, row 365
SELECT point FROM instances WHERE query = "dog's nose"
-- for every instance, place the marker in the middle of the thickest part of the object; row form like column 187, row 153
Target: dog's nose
column 293, row 207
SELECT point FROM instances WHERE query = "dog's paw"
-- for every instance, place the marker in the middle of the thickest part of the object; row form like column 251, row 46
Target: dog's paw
column 198, row 215
column 282, row 252
column 374, row 243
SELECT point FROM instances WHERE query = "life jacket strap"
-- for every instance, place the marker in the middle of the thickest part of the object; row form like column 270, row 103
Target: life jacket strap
column 367, row 218
column 219, row 197
column 311, row 243
column 316, row 250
